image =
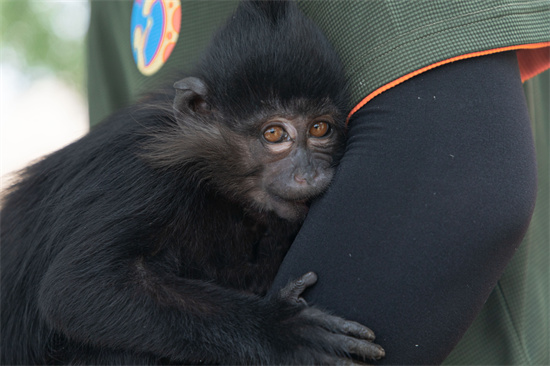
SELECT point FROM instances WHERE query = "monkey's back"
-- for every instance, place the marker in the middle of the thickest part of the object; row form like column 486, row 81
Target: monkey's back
column 58, row 201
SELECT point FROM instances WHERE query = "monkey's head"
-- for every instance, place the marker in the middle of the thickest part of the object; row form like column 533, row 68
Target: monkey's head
column 277, row 157
column 263, row 115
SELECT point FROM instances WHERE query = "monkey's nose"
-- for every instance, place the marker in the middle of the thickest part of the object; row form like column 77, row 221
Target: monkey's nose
column 305, row 178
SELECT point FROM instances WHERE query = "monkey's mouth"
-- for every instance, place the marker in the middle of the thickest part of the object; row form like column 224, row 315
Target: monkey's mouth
column 293, row 199
column 290, row 209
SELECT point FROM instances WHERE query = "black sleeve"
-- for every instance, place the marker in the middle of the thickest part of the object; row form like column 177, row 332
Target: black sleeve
column 432, row 198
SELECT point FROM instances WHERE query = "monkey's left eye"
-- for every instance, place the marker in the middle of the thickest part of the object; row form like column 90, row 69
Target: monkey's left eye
column 275, row 134
column 319, row 129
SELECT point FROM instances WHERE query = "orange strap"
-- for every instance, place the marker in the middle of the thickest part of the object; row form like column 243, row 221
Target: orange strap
column 532, row 58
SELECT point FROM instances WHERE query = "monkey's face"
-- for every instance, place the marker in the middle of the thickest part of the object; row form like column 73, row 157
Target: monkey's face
column 270, row 155
column 297, row 156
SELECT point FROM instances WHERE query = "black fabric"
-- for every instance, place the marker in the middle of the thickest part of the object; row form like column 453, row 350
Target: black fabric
column 431, row 200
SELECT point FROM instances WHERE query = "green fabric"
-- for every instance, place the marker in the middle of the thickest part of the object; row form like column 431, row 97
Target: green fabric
column 382, row 40
column 113, row 78
column 379, row 41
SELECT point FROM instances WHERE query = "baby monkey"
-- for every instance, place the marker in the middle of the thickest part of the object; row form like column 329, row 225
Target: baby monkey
column 154, row 238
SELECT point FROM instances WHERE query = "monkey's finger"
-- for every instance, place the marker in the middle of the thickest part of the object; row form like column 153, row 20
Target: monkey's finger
column 351, row 328
column 294, row 289
column 344, row 362
column 338, row 325
column 358, row 347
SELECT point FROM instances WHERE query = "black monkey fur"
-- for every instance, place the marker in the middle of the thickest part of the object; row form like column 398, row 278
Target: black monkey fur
column 154, row 238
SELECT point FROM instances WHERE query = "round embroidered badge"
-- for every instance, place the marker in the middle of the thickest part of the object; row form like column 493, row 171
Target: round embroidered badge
column 155, row 27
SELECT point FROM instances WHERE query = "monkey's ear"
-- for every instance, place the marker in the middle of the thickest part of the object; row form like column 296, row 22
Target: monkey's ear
column 191, row 96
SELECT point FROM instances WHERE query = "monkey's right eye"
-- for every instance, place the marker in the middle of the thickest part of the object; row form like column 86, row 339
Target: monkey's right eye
column 275, row 134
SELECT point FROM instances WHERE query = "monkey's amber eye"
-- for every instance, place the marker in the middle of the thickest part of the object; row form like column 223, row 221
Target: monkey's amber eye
column 274, row 134
column 319, row 129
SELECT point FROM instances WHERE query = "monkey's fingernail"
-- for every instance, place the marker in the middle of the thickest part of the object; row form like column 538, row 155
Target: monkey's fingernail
column 309, row 278
column 380, row 352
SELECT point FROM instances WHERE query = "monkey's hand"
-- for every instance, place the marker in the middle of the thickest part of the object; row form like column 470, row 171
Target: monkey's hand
column 327, row 339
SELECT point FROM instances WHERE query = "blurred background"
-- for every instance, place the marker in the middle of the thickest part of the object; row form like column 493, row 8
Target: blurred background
column 42, row 75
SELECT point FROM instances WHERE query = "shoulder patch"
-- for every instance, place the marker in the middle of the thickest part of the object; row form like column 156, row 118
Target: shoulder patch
column 155, row 28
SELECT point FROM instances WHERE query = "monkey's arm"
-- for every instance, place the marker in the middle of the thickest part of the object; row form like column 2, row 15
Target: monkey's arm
column 103, row 299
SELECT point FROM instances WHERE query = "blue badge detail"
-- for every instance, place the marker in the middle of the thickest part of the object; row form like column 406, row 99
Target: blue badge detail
column 155, row 28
